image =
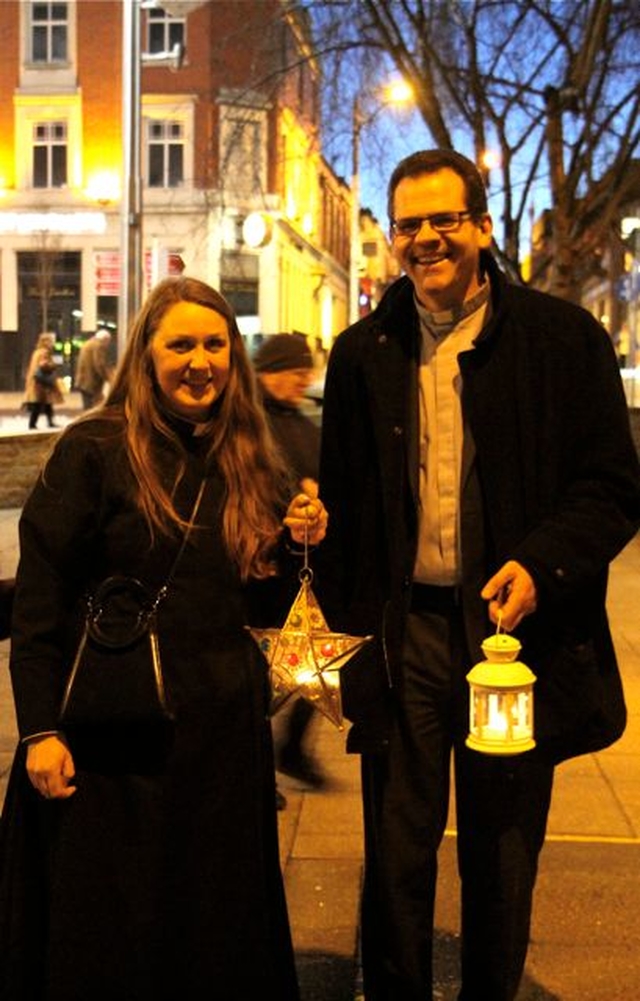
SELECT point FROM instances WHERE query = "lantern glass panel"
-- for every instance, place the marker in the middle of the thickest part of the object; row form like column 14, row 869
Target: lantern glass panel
column 501, row 707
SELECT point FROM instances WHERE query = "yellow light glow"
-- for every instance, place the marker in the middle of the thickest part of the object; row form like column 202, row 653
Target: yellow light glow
column 300, row 175
column 292, row 208
column 103, row 187
column 490, row 159
column 6, row 173
column 398, row 92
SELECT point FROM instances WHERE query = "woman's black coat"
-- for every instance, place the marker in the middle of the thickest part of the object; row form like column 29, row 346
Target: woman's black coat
column 160, row 878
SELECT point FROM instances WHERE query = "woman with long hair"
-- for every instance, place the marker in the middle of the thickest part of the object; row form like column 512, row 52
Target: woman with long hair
column 141, row 861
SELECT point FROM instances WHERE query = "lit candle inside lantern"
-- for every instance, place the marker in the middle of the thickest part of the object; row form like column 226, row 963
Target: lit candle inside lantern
column 497, row 715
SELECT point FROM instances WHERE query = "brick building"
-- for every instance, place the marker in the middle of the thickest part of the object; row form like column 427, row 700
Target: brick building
column 234, row 186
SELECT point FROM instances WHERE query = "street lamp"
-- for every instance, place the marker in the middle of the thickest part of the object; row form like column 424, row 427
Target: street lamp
column 396, row 93
column 354, row 252
column 131, row 218
column 131, row 263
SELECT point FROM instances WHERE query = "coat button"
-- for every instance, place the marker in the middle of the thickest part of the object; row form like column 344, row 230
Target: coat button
column 398, row 431
column 382, row 339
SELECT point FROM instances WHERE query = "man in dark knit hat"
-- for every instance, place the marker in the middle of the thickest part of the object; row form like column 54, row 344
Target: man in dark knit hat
column 284, row 366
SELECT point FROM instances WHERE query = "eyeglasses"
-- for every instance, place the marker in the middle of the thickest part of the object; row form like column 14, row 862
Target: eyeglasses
column 442, row 222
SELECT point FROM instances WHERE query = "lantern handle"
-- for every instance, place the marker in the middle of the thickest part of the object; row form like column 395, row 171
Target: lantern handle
column 305, row 576
column 502, row 596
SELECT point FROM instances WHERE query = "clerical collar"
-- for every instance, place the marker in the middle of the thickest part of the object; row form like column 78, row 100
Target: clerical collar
column 442, row 323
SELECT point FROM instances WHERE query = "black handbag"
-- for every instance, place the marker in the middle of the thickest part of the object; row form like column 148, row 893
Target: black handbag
column 45, row 377
column 116, row 677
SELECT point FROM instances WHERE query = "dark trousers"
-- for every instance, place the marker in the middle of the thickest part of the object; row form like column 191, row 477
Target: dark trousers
column 35, row 409
column 502, row 807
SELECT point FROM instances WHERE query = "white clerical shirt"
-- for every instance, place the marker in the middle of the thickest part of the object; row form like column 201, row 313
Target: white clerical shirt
column 444, row 337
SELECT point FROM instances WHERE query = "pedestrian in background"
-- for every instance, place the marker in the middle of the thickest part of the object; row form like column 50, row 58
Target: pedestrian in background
column 41, row 383
column 284, row 365
column 477, row 463
column 93, row 368
column 141, row 861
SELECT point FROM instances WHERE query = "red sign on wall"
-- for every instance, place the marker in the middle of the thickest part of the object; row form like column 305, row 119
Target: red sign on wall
column 107, row 268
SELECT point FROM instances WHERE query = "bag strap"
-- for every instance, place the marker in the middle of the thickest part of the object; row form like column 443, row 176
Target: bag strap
column 185, row 538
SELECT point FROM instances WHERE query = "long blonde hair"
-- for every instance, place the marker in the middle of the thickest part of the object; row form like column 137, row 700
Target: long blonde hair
column 255, row 476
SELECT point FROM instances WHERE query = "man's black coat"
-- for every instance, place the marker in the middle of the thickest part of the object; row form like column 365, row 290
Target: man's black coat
column 550, row 478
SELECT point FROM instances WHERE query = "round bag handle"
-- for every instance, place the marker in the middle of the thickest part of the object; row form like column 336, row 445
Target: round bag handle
column 119, row 611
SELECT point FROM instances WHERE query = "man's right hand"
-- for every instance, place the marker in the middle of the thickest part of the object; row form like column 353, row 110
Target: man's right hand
column 511, row 594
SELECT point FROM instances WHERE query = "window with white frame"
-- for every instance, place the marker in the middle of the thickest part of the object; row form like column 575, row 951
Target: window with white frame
column 165, row 153
column 243, row 160
column 163, row 31
column 49, row 154
column 49, row 32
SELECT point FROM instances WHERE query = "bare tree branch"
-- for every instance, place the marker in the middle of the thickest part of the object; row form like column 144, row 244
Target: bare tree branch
column 551, row 83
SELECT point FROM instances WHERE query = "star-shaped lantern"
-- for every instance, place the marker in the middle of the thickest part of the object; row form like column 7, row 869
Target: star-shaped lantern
column 305, row 657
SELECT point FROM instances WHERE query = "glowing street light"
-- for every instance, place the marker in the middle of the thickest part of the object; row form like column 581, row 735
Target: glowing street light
column 398, row 92
column 490, row 159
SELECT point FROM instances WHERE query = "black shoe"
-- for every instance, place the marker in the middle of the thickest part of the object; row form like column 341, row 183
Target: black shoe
column 303, row 769
column 281, row 801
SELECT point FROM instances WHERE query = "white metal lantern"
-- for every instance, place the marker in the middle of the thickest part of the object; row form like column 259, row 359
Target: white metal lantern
column 501, row 699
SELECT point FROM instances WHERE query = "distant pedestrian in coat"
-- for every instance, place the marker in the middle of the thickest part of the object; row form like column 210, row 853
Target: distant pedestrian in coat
column 477, row 464
column 284, row 365
column 139, row 862
column 93, row 368
column 41, row 383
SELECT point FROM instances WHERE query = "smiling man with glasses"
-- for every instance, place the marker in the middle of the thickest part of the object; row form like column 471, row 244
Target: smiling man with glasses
column 478, row 468
column 437, row 235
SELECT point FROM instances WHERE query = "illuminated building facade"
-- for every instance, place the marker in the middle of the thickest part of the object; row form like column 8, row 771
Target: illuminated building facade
column 234, row 186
